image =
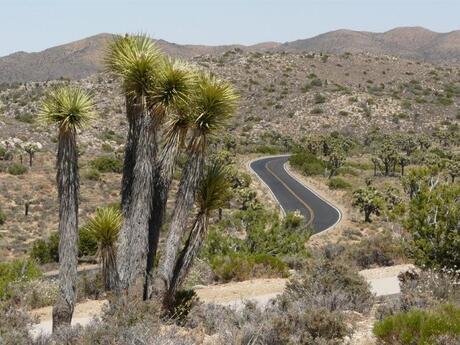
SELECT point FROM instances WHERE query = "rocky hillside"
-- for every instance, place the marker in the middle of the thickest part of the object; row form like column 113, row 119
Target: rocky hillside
column 409, row 42
column 82, row 58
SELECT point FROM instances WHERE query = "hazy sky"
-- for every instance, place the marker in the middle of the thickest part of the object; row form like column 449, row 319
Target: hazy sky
column 33, row 25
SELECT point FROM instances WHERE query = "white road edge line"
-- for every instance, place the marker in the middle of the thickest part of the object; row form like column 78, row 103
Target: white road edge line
column 339, row 212
column 248, row 166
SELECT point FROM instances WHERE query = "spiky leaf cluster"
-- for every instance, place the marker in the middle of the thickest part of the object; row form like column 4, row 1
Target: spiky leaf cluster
column 69, row 107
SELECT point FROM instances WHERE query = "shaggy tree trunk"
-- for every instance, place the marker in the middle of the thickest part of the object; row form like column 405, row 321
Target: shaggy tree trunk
column 187, row 256
column 164, row 176
column 133, row 112
column 109, row 269
column 184, row 204
column 68, row 188
column 133, row 236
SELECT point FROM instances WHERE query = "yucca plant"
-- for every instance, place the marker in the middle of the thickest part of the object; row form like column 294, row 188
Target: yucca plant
column 135, row 60
column 172, row 95
column 213, row 105
column 69, row 108
column 212, row 194
column 138, row 63
column 104, row 228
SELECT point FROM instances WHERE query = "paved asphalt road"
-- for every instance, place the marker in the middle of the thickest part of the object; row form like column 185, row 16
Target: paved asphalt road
column 293, row 195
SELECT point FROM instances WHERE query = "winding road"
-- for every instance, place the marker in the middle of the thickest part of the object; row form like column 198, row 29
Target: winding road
column 293, row 195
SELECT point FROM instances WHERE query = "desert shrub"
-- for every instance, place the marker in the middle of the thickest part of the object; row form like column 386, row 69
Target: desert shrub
column 33, row 294
column 331, row 285
column 285, row 320
column 266, row 235
column 428, row 288
column 319, row 98
column 239, row 267
column 14, row 272
column 92, row 174
column 379, row 250
column 316, row 111
column 17, row 169
column 106, row 164
column 338, row 183
column 87, row 245
column 14, row 325
column 25, row 117
column 90, row 286
column 45, row 251
column 184, row 301
column 2, row 217
column 307, row 162
column 347, row 170
column 267, row 149
column 435, row 243
column 421, row 327
column 139, row 324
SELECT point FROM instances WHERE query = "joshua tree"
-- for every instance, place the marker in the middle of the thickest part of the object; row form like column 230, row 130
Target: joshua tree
column 369, row 201
column 213, row 193
column 403, row 161
column 177, row 83
column 31, row 148
column 136, row 60
column 453, row 168
column 388, row 156
column 104, row 228
column 70, row 108
column 153, row 86
column 335, row 160
column 212, row 107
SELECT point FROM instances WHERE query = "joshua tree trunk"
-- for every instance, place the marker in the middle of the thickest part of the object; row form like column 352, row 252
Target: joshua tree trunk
column 109, row 269
column 164, row 173
column 187, row 256
column 132, row 113
column 367, row 215
column 184, row 204
column 133, row 236
column 68, row 188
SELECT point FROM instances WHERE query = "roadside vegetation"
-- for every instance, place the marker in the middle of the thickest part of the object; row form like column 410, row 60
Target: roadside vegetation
column 190, row 215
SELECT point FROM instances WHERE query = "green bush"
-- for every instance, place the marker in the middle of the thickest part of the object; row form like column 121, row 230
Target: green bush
column 338, row 183
column 379, row 250
column 25, row 117
column 46, row 251
column 87, row 245
column 319, row 98
column 2, row 217
column 105, row 164
column 341, row 288
column 16, row 271
column 92, row 174
column 421, row 327
column 307, row 162
column 17, row 169
column 239, row 267
column 268, row 247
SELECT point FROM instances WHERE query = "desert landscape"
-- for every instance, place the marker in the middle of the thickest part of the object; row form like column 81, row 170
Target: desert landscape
column 303, row 192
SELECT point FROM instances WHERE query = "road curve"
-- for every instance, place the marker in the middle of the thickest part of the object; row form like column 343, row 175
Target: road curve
column 292, row 195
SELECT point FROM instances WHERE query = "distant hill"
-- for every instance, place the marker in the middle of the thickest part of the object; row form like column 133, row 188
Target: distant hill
column 82, row 58
column 408, row 42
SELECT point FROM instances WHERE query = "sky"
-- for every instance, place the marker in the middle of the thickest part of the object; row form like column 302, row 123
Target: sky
column 34, row 25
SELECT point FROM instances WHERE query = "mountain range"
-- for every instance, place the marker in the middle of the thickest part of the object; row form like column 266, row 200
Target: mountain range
column 81, row 58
